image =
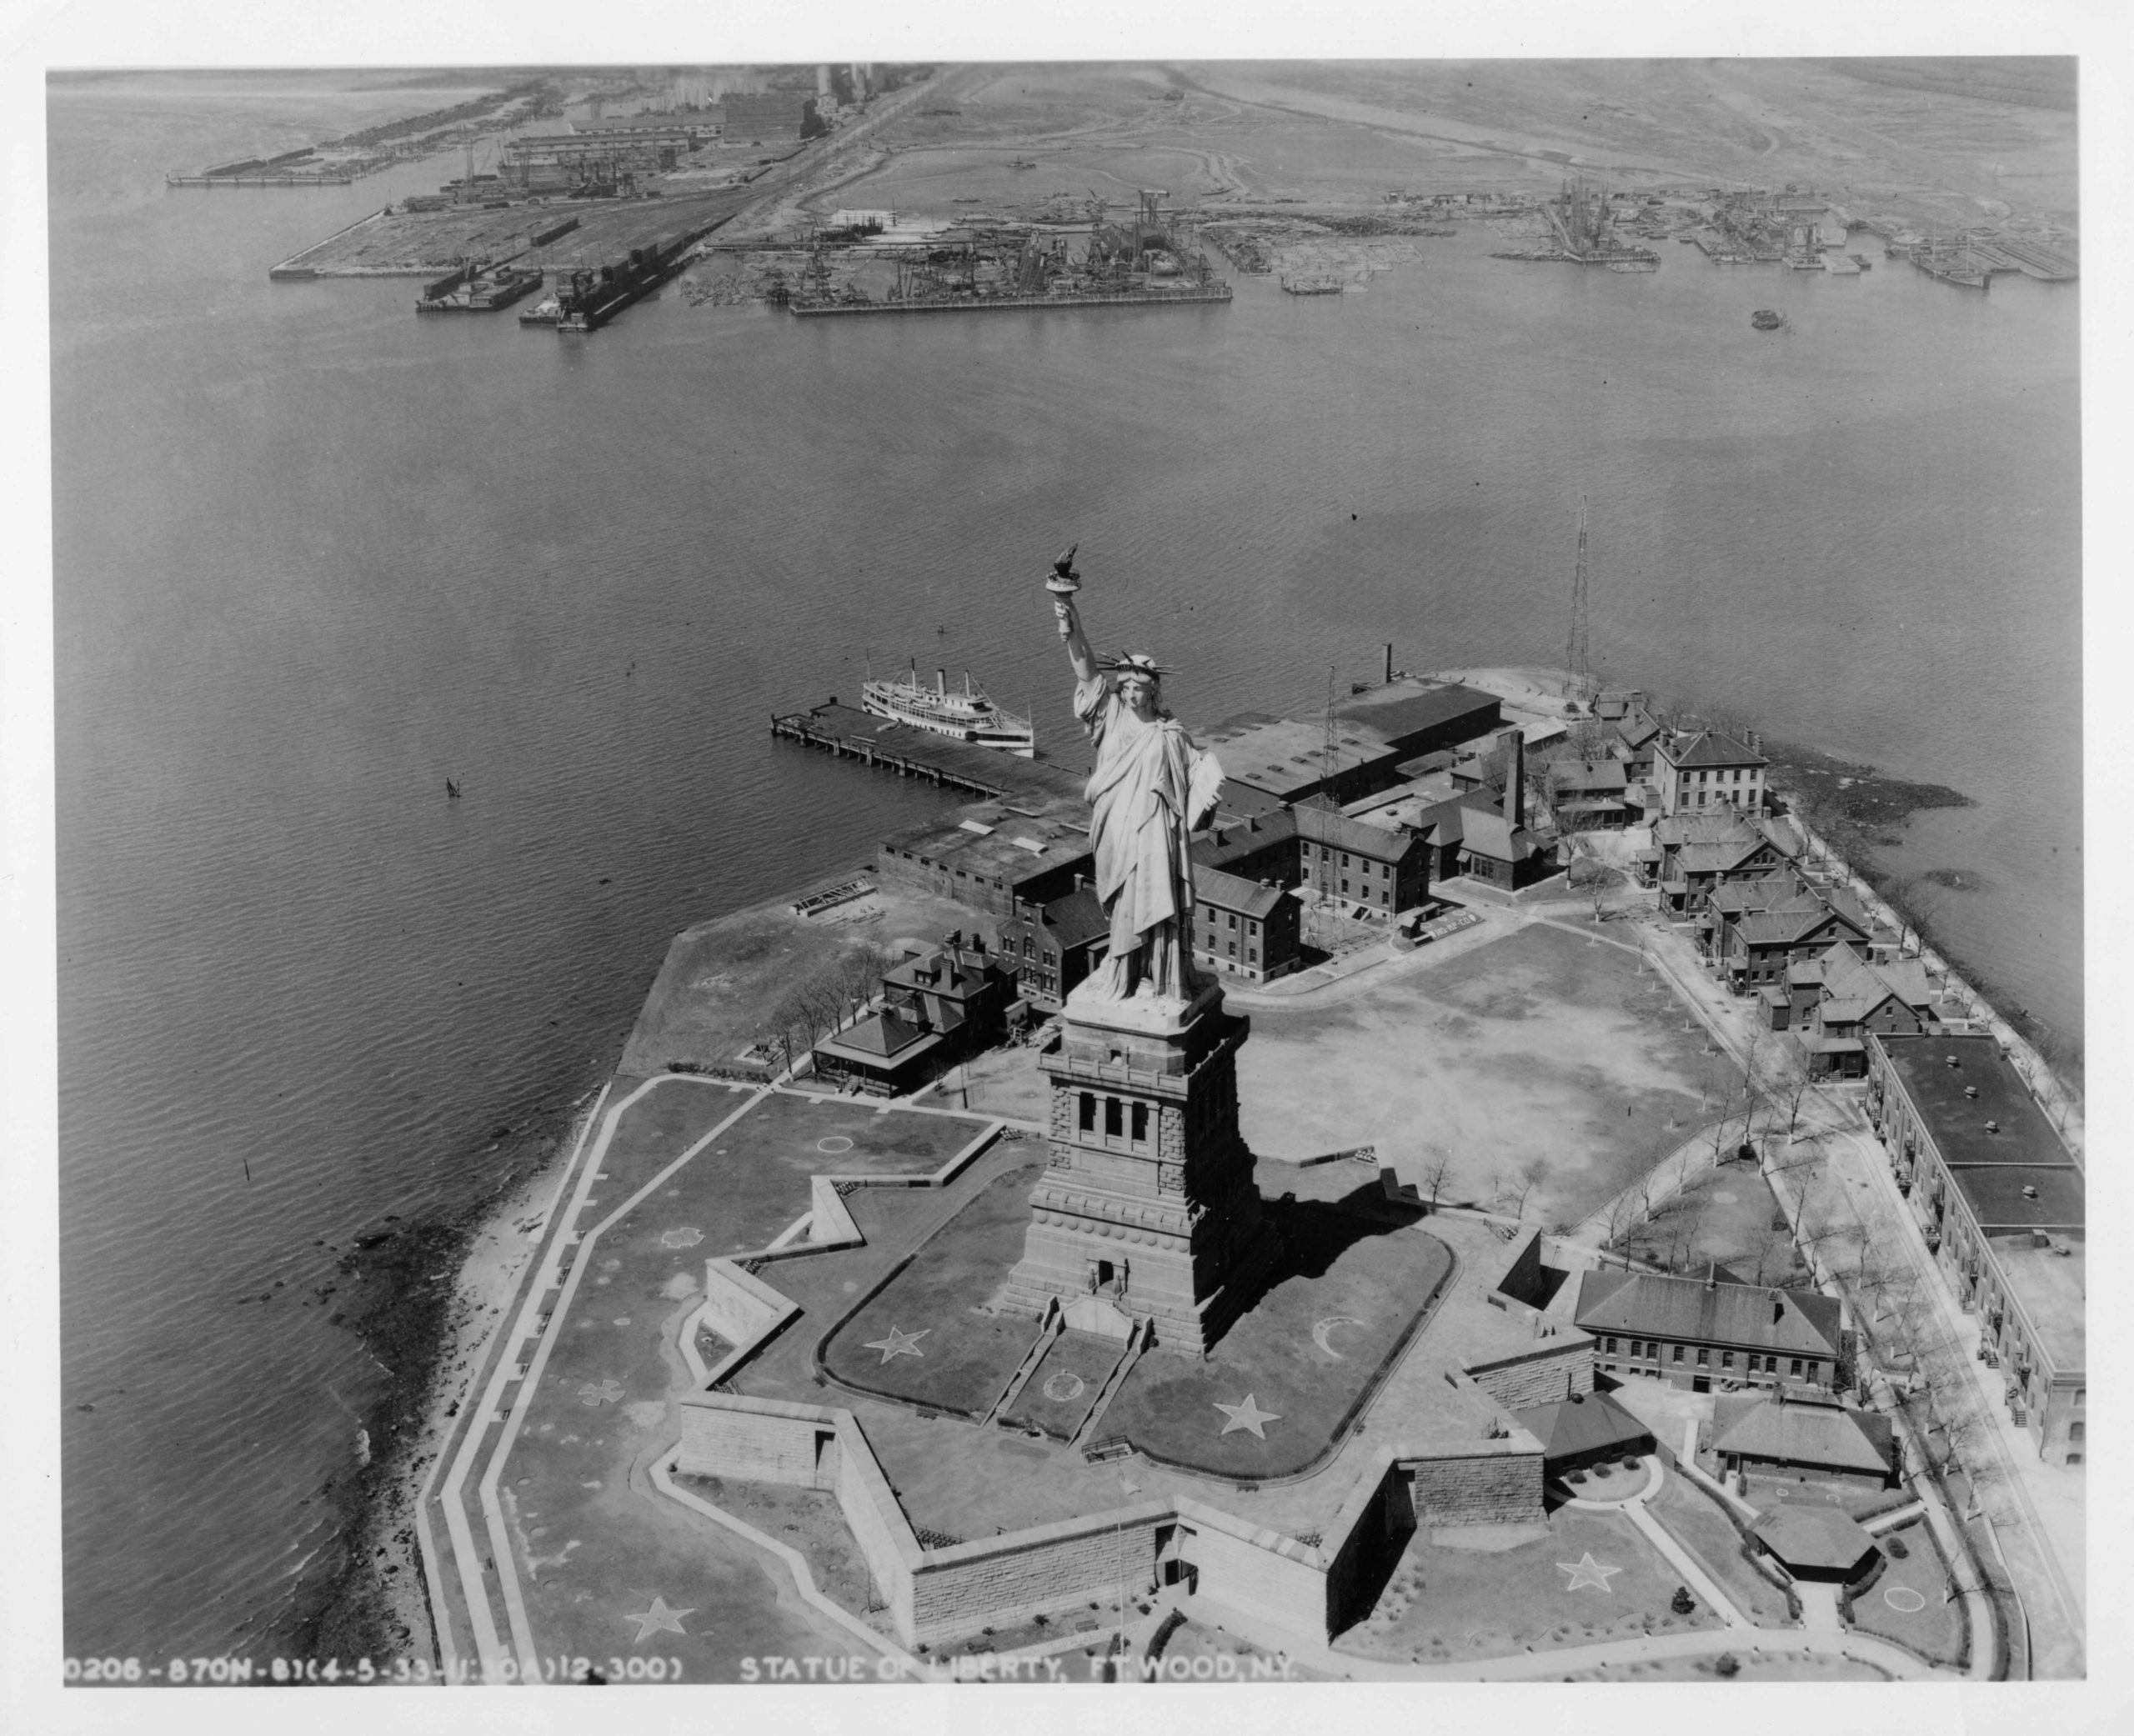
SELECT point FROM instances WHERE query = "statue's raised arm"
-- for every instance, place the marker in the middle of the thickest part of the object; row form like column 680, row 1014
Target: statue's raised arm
column 1150, row 788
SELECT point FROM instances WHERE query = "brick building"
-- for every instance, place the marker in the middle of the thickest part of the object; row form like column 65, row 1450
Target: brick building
column 1370, row 871
column 2002, row 1203
column 1704, row 769
column 1055, row 944
column 1247, row 929
column 1692, row 1331
column 1802, row 1432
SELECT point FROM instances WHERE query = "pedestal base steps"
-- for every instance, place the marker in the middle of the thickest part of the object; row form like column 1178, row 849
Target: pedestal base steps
column 1148, row 1200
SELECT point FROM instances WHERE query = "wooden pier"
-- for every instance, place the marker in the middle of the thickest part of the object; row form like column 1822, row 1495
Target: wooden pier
column 850, row 734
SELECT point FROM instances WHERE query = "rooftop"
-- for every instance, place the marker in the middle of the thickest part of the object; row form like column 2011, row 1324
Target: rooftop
column 1285, row 758
column 1956, row 1121
column 1584, row 1423
column 1492, row 835
column 1757, row 1316
column 1807, row 1535
column 2053, row 1290
column 1771, row 1425
column 1709, row 748
column 1075, row 918
column 1708, row 827
column 1227, row 892
column 1330, row 826
column 1414, row 710
column 999, row 845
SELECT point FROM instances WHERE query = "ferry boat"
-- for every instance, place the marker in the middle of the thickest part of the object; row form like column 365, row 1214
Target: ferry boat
column 969, row 716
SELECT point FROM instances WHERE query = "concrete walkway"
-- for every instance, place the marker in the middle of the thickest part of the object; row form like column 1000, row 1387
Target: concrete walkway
column 1818, row 1607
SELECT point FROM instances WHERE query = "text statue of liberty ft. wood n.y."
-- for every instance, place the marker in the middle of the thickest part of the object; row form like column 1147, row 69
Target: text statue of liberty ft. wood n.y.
column 1146, row 1214
column 1151, row 790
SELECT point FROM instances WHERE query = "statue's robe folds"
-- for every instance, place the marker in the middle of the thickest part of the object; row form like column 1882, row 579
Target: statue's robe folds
column 1149, row 784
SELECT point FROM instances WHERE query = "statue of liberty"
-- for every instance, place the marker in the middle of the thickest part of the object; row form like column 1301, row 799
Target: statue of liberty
column 1150, row 789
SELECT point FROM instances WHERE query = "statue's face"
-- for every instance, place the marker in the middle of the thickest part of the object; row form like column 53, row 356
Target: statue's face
column 1138, row 691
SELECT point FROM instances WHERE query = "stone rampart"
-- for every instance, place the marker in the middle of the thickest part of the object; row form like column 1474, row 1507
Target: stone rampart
column 1554, row 1368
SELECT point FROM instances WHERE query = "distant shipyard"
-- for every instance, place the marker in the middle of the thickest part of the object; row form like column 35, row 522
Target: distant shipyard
column 602, row 190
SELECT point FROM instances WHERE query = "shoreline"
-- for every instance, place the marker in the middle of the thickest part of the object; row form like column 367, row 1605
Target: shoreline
column 376, row 1600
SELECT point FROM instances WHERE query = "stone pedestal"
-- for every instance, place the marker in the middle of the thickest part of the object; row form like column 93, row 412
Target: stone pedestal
column 1148, row 1200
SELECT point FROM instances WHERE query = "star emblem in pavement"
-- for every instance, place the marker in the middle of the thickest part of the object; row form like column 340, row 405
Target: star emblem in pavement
column 1247, row 1416
column 1586, row 1571
column 657, row 1619
column 594, row 1396
column 900, row 1343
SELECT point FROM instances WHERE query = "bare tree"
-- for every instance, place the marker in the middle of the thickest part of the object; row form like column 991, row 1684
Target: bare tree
column 1435, row 1174
column 1624, row 1212
column 1530, row 1175
column 1769, row 1254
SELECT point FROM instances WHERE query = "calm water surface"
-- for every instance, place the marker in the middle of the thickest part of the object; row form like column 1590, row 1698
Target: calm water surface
column 316, row 554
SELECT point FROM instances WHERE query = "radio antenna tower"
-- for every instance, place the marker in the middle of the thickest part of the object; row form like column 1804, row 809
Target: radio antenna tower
column 1575, row 657
column 1328, row 751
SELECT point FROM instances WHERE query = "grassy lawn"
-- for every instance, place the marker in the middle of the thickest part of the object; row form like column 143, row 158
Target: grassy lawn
column 1444, row 1605
column 809, row 1520
column 1702, row 1528
column 958, row 1358
column 1063, row 1388
column 1337, row 1266
column 1539, row 1048
column 1725, row 1215
column 1935, row 1629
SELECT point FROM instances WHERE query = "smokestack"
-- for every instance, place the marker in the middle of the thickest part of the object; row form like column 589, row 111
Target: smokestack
column 1711, row 1276
column 941, row 683
column 1387, row 677
column 1515, row 783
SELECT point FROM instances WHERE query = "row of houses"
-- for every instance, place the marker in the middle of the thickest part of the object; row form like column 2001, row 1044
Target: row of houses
column 1821, row 964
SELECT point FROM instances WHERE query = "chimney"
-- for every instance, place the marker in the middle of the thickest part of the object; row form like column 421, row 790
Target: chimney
column 1711, row 1276
column 1777, row 1309
column 1515, row 783
column 1386, row 679
column 1080, row 881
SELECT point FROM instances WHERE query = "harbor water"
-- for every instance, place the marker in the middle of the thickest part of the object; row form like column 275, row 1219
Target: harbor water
column 317, row 555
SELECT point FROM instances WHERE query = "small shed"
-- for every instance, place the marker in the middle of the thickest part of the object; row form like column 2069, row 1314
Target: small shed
column 1811, row 1541
column 1582, row 1430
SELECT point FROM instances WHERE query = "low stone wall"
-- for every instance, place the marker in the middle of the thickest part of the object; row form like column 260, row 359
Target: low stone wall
column 1256, row 1572
column 1489, row 1482
column 760, row 1440
column 1554, row 1368
column 738, row 1305
column 1045, row 1570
